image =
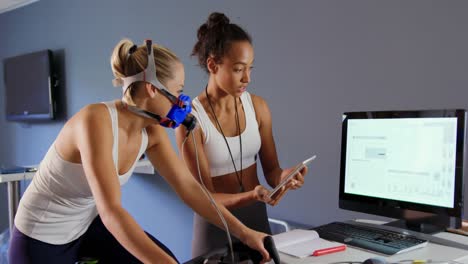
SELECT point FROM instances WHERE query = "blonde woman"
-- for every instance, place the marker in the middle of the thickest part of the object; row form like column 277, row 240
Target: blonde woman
column 73, row 206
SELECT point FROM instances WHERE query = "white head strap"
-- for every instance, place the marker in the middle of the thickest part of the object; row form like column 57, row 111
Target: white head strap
column 148, row 75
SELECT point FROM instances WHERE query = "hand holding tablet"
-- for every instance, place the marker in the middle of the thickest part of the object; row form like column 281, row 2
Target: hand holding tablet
column 298, row 168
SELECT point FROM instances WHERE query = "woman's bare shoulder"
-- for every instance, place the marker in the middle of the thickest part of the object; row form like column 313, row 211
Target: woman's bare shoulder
column 262, row 111
column 258, row 101
column 93, row 112
column 90, row 119
column 94, row 115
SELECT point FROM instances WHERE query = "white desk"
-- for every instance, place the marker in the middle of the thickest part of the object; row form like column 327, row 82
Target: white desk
column 431, row 251
column 143, row 166
column 13, row 190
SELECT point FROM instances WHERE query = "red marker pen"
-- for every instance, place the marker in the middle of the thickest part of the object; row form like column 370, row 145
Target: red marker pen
column 324, row 251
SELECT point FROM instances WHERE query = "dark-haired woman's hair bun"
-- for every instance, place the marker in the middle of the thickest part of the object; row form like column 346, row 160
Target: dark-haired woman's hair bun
column 217, row 19
column 215, row 37
column 214, row 25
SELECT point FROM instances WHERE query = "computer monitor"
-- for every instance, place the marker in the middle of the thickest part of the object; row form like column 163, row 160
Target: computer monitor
column 406, row 165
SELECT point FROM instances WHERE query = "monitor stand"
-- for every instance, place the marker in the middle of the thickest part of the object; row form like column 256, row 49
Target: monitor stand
column 424, row 223
column 425, row 228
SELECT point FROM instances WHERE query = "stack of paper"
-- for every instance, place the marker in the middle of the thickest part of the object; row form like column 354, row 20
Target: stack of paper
column 302, row 243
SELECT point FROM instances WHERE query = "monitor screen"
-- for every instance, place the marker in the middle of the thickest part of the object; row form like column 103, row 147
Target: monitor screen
column 28, row 86
column 393, row 161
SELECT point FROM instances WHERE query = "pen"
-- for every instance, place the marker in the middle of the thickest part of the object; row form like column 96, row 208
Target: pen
column 320, row 252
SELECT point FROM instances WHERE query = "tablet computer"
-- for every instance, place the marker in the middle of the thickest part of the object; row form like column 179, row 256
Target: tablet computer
column 294, row 172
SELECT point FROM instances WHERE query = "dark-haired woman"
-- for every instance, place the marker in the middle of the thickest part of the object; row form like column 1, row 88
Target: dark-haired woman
column 235, row 129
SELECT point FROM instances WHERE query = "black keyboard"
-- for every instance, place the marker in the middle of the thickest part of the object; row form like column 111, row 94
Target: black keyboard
column 374, row 239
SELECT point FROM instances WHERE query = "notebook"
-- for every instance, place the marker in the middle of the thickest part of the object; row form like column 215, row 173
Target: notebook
column 463, row 230
column 302, row 243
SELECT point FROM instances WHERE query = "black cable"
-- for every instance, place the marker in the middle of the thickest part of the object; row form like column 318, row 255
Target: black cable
column 240, row 141
column 239, row 178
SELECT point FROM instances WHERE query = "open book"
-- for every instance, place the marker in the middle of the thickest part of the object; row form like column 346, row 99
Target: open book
column 302, row 243
column 463, row 230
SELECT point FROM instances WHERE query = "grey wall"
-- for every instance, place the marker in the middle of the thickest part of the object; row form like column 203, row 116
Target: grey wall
column 314, row 60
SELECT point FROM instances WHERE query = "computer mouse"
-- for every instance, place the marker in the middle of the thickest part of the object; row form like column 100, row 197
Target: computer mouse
column 375, row 261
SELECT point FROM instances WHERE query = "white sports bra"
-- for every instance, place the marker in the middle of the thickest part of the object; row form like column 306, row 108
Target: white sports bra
column 215, row 146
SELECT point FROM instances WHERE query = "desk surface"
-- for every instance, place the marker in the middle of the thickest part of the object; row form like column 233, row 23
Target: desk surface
column 16, row 176
column 432, row 251
column 143, row 166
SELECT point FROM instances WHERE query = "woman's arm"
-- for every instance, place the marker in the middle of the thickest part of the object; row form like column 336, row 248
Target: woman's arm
column 187, row 152
column 173, row 169
column 94, row 141
column 268, row 155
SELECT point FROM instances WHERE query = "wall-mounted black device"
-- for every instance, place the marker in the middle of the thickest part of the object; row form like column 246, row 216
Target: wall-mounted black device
column 30, row 82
